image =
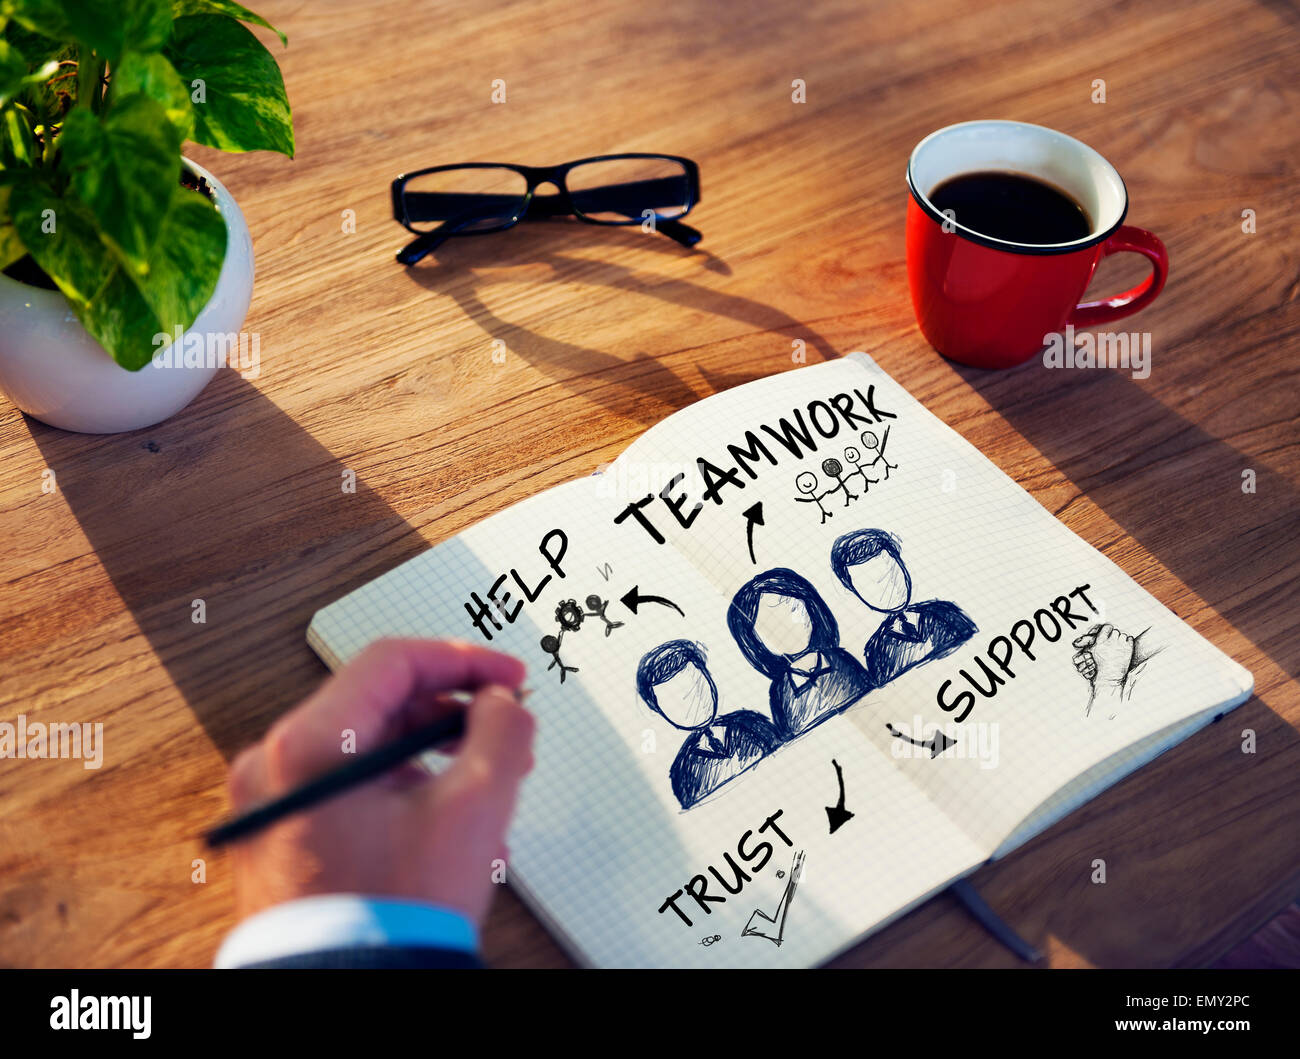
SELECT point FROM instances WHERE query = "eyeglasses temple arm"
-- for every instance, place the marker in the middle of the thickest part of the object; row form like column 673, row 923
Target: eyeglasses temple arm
column 422, row 245
column 679, row 232
column 416, row 250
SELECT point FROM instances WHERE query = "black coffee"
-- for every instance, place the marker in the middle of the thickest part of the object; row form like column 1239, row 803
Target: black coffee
column 1011, row 206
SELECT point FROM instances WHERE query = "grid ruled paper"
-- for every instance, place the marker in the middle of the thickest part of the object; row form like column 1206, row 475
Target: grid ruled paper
column 601, row 842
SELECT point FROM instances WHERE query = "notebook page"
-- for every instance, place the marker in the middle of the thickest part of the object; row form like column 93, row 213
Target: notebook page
column 610, row 831
column 958, row 593
column 1087, row 785
column 845, row 888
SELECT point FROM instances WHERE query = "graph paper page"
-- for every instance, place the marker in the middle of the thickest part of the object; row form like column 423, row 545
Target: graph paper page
column 819, row 658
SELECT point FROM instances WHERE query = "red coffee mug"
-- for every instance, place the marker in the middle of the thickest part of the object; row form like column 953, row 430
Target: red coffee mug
column 992, row 303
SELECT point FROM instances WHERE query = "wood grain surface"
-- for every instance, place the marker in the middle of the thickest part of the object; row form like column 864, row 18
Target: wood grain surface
column 389, row 373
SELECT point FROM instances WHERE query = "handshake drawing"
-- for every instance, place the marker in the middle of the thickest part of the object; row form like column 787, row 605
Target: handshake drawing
column 1111, row 661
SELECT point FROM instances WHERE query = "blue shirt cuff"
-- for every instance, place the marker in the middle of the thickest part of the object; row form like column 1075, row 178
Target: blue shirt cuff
column 344, row 921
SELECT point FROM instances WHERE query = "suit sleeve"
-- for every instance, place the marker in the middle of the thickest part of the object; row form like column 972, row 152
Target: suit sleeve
column 350, row 930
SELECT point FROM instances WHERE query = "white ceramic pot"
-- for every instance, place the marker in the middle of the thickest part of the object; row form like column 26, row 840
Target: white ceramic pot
column 53, row 370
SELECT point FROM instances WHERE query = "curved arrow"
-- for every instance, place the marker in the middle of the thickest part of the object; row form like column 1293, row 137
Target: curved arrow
column 634, row 599
column 936, row 744
column 753, row 517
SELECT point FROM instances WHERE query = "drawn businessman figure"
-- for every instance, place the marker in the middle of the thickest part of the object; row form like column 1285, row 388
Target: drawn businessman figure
column 788, row 634
column 868, row 563
column 674, row 681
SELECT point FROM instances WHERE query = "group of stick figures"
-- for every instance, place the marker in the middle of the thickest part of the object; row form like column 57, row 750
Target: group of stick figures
column 807, row 482
column 569, row 616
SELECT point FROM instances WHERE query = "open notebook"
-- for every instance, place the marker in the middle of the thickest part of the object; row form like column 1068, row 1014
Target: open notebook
column 801, row 657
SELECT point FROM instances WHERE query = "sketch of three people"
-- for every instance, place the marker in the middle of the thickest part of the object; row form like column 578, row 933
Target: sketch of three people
column 786, row 631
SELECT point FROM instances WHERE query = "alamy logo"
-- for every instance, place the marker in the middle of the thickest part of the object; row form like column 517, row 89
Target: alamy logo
column 1109, row 349
column 35, row 740
column 240, row 350
column 77, row 1012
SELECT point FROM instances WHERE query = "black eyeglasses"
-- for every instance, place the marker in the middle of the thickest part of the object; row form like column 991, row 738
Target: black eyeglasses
column 481, row 197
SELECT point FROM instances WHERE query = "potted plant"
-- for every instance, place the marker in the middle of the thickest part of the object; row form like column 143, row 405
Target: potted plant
column 127, row 269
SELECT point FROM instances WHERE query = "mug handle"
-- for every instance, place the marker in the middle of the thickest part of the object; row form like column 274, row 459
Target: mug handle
column 1137, row 241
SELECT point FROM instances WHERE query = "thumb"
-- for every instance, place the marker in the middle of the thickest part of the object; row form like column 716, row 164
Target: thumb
column 1088, row 638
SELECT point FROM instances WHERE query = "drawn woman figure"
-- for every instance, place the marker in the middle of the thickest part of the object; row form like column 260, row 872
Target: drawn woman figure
column 789, row 635
column 674, row 681
column 867, row 563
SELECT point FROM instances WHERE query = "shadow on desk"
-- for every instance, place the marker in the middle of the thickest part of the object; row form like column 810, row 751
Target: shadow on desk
column 634, row 385
column 1176, row 490
column 233, row 503
column 1171, row 486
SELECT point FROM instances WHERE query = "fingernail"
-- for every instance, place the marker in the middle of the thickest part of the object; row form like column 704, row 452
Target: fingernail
column 499, row 691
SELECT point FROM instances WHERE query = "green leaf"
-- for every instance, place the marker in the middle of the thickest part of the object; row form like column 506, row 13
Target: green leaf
column 111, row 28
column 124, row 167
column 17, row 141
column 186, row 262
column 181, row 8
column 49, row 99
column 11, row 246
column 13, row 68
column 126, row 316
column 63, row 240
column 156, row 78
column 236, row 88
column 46, row 17
column 14, row 72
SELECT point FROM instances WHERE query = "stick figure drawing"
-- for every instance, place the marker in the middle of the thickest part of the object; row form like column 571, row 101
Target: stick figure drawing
column 832, row 468
column 806, row 483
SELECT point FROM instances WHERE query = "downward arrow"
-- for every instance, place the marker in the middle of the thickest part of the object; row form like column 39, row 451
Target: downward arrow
column 836, row 814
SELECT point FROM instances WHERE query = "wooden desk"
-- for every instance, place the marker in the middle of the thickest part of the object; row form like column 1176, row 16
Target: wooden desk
column 389, row 373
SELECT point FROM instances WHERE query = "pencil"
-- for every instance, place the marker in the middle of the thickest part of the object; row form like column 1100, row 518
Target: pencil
column 366, row 767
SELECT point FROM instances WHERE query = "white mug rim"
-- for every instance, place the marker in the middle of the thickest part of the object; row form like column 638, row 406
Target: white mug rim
column 1098, row 235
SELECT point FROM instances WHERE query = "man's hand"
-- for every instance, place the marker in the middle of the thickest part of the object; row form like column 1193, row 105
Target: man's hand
column 1083, row 660
column 1113, row 655
column 1086, row 665
column 408, row 834
column 1105, row 655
